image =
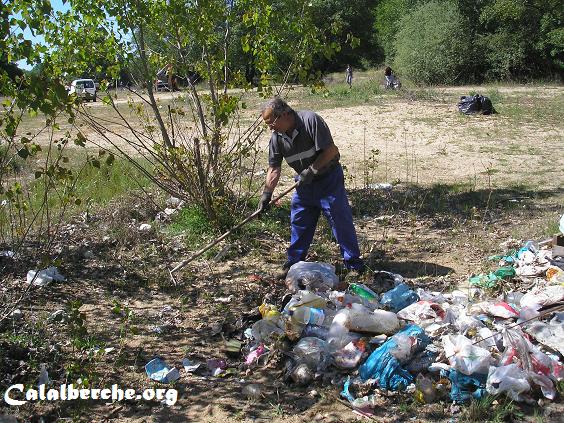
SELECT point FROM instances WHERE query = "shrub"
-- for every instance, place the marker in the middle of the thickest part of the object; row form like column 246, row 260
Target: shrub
column 431, row 43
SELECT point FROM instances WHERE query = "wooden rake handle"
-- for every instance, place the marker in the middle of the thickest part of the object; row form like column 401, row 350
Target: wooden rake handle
column 226, row 234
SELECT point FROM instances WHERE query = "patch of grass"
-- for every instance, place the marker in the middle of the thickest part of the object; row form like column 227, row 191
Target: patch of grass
column 491, row 409
column 110, row 181
column 340, row 95
column 277, row 410
column 193, row 223
column 494, row 95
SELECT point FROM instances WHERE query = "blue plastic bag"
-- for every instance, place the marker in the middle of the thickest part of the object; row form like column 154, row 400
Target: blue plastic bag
column 465, row 387
column 399, row 298
column 384, row 367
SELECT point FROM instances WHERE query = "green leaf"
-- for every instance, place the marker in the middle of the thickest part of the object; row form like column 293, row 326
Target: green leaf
column 23, row 153
column 80, row 139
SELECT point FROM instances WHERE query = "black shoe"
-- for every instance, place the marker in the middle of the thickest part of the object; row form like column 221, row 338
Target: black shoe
column 282, row 274
column 355, row 275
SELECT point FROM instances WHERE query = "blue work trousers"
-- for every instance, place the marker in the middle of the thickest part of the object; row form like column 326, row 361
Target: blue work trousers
column 329, row 196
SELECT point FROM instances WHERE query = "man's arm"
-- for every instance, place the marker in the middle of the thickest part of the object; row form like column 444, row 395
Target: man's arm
column 272, row 177
column 324, row 160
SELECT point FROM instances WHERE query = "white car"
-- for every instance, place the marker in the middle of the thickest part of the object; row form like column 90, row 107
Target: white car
column 84, row 88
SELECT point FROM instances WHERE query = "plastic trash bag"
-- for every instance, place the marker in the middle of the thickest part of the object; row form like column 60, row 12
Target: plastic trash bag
column 45, row 276
column 313, row 352
column 519, row 351
column 465, row 357
column 349, row 356
column 476, row 104
column 383, row 366
column 464, row 387
column 399, row 298
column 543, row 296
column 550, row 334
column 510, row 380
column 311, row 276
column 489, row 339
column 266, row 330
column 422, row 310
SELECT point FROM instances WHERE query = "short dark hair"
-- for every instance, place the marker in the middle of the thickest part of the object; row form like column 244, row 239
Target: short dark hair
column 388, row 71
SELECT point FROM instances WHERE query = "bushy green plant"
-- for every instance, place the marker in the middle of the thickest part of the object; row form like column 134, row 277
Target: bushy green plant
column 431, row 43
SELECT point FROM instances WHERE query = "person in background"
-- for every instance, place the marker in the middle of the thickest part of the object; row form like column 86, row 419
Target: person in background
column 349, row 75
column 303, row 139
column 391, row 81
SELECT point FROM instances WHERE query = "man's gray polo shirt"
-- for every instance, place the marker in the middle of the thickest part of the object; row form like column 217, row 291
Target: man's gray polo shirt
column 310, row 136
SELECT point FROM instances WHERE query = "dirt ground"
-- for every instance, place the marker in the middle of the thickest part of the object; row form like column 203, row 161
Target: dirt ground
column 434, row 237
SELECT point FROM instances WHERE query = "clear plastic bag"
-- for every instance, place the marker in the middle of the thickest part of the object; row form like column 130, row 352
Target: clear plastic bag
column 421, row 311
column 312, row 276
column 313, row 352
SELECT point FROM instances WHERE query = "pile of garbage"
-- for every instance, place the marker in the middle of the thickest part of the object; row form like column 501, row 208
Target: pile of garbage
column 383, row 335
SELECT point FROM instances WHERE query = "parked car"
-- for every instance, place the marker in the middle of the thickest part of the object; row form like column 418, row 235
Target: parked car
column 84, row 88
column 161, row 85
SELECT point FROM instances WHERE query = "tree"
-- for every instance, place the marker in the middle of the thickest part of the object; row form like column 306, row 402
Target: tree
column 387, row 15
column 191, row 145
column 430, row 44
column 353, row 28
column 522, row 37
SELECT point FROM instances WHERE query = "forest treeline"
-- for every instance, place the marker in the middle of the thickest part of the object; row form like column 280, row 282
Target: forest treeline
column 426, row 41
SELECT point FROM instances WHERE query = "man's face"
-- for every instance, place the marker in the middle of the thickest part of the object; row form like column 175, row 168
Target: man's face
column 282, row 123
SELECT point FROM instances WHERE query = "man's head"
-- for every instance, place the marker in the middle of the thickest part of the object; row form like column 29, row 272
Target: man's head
column 277, row 115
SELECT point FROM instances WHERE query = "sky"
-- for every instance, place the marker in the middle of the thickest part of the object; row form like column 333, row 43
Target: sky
column 58, row 5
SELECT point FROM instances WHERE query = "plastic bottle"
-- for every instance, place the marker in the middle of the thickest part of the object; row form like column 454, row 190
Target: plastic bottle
column 363, row 291
column 309, row 315
column 377, row 322
column 338, row 337
column 425, row 389
column 309, row 299
column 399, row 298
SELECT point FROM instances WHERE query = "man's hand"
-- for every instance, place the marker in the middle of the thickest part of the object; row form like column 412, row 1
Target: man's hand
column 264, row 202
column 307, row 175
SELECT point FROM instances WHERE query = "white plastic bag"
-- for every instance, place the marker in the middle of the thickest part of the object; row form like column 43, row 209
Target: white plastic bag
column 543, row 296
column 465, row 357
column 45, row 276
column 510, row 380
column 422, row 310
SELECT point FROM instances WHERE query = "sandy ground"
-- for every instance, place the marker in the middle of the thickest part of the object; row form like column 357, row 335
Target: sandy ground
column 429, row 142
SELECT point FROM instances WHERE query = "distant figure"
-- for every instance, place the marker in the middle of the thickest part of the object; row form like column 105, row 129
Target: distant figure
column 391, row 81
column 171, row 77
column 349, row 75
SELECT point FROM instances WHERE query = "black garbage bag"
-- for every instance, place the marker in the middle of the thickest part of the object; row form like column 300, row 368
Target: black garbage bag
column 476, row 104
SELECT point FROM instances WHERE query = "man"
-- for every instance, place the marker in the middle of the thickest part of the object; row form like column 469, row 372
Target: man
column 349, row 75
column 303, row 139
